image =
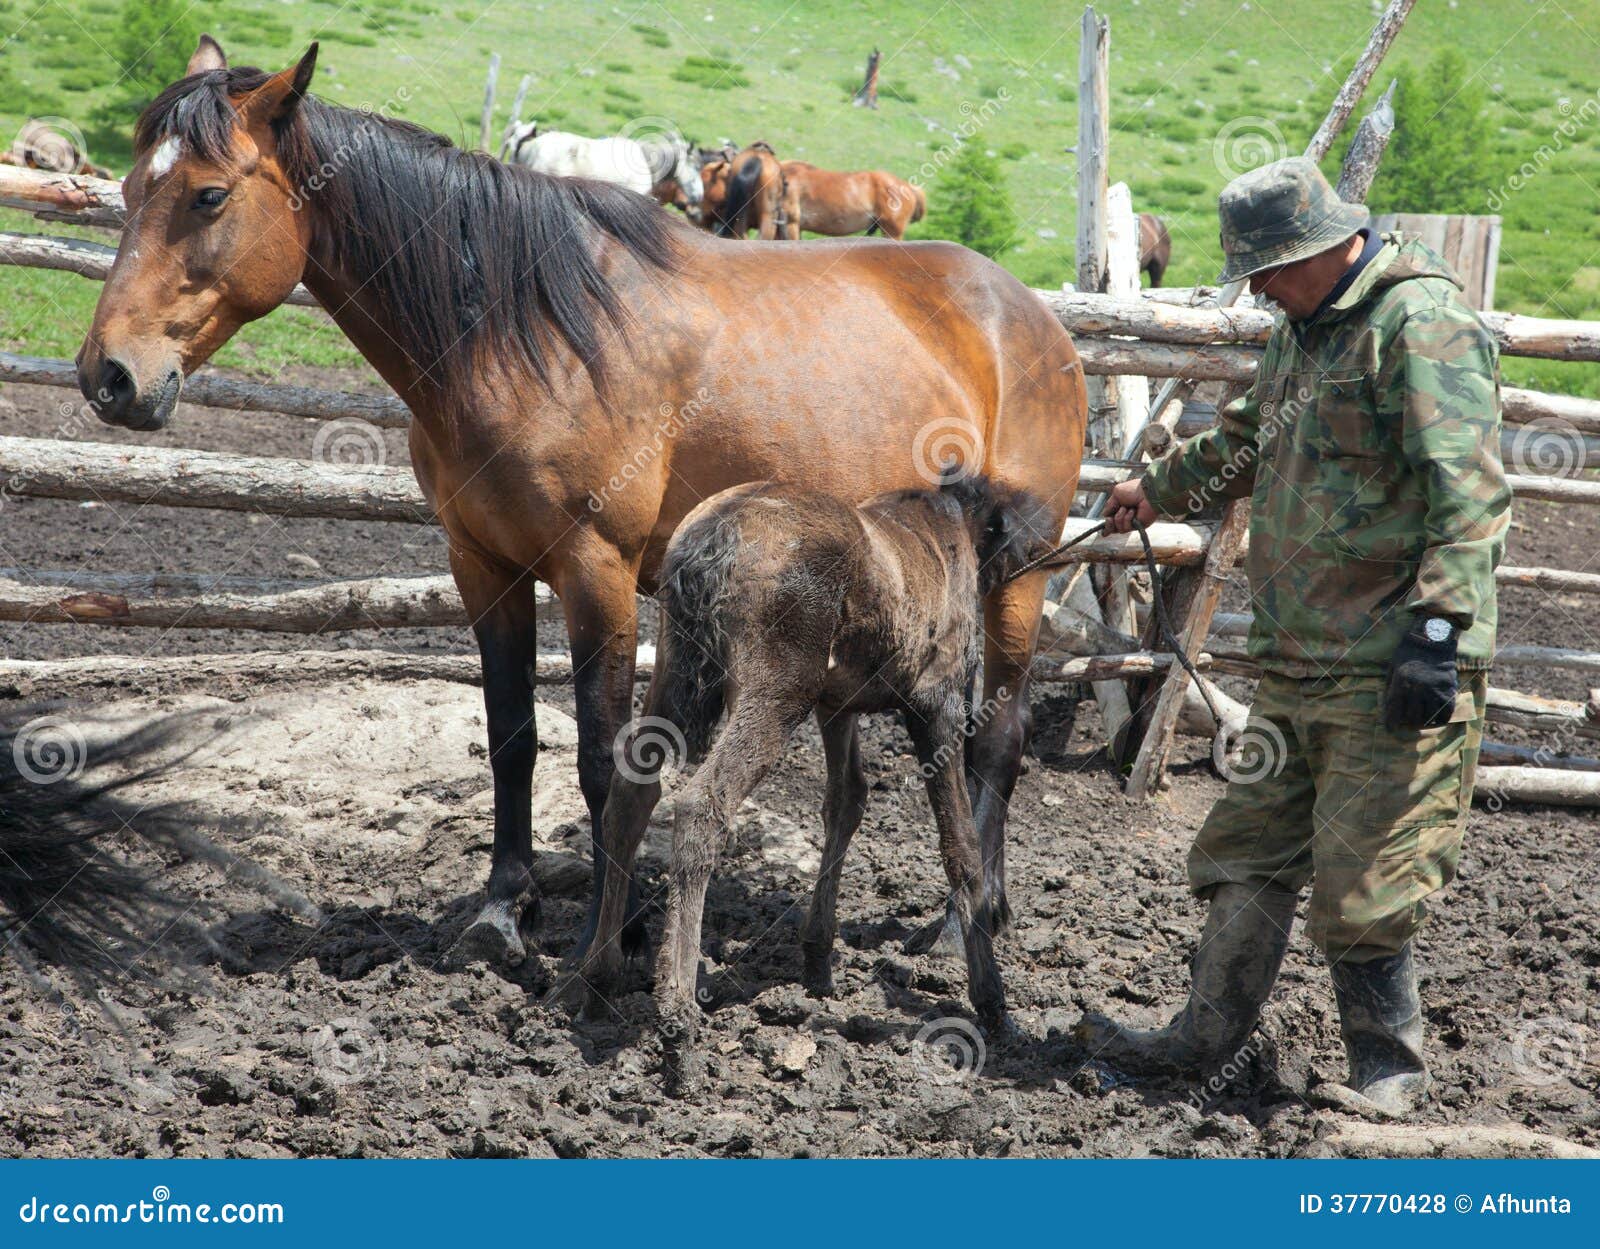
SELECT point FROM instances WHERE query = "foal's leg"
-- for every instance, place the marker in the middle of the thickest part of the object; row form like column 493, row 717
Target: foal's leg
column 938, row 743
column 501, row 606
column 597, row 593
column 841, row 816
column 750, row 744
column 1002, row 722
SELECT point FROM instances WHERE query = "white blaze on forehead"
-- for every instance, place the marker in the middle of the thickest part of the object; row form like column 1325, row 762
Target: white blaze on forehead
column 165, row 157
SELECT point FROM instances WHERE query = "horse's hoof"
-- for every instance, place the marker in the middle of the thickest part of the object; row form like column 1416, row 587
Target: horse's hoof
column 494, row 937
column 942, row 936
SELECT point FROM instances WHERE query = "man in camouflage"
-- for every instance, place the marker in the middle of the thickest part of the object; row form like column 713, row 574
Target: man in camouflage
column 1369, row 449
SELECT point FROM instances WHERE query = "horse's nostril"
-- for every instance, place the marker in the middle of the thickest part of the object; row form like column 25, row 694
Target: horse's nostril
column 117, row 387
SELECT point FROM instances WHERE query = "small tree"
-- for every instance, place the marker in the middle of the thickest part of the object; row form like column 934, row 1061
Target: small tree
column 154, row 40
column 970, row 204
column 1441, row 158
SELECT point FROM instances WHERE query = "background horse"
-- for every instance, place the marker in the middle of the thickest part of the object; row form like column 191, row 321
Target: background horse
column 549, row 334
column 758, row 197
column 662, row 166
column 1155, row 247
column 878, row 607
column 854, row 203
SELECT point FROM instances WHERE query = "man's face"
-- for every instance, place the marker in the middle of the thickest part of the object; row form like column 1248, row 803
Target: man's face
column 1300, row 287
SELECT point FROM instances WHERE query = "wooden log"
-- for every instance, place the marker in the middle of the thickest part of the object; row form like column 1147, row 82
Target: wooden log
column 1553, row 787
column 1351, row 1137
column 217, row 390
column 1150, row 762
column 1505, row 755
column 1174, row 544
column 1117, row 356
column 48, row 468
column 486, row 121
column 1544, row 715
column 197, row 601
column 1378, row 44
column 1366, row 150
column 80, row 198
column 1094, row 128
column 1558, row 580
column 89, row 260
column 516, row 115
column 866, row 95
column 1087, row 313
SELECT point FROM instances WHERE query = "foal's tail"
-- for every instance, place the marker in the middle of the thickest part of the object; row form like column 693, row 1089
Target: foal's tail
column 697, row 583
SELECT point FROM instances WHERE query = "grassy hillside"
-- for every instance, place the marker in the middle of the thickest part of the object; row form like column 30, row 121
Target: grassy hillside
column 1199, row 87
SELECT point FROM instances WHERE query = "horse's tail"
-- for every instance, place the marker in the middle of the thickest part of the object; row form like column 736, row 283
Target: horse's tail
column 743, row 187
column 921, row 208
column 697, row 583
column 65, row 898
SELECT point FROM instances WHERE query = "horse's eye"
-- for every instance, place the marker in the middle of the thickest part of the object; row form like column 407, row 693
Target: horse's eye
column 211, row 197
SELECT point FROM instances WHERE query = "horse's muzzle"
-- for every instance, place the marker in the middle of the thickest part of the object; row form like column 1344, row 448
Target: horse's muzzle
column 117, row 399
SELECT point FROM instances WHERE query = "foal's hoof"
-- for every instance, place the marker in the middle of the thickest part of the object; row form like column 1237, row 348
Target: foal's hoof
column 495, row 936
column 942, row 936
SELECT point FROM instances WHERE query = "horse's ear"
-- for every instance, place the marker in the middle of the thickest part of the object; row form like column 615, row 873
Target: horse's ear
column 280, row 95
column 208, row 55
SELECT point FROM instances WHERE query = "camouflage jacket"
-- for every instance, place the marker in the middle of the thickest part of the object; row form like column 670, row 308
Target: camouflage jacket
column 1369, row 446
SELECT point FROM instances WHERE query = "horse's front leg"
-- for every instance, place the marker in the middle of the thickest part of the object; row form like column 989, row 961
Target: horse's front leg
column 501, row 605
column 603, row 626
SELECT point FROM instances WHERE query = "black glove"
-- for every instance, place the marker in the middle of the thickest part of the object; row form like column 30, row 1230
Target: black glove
column 1422, row 676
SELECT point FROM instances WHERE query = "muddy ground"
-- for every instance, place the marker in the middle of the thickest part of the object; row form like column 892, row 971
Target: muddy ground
column 333, row 837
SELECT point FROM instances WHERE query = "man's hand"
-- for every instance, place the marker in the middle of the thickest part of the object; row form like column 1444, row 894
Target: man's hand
column 1127, row 503
column 1422, row 676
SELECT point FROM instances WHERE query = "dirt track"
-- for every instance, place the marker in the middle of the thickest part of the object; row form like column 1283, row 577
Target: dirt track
column 330, row 1017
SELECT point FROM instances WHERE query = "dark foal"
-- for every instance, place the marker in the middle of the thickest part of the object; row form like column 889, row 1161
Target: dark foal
column 777, row 602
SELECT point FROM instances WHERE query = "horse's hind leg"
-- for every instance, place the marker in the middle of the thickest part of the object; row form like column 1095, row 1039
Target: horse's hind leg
column 749, row 745
column 939, row 752
column 841, row 815
column 998, row 735
column 502, row 609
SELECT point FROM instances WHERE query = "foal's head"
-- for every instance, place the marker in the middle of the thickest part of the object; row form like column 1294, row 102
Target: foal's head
column 213, row 239
column 1008, row 527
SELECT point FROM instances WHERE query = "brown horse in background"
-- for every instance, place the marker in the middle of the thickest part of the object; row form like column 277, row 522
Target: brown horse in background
column 581, row 372
column 1155, row 247
column 854, row 203
column 758, row 197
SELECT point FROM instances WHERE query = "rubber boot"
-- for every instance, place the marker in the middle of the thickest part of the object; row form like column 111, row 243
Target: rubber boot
column 1380, row 1015
column 1233, row 971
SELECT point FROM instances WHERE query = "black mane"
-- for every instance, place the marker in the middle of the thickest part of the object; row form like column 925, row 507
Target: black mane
column 467, row 255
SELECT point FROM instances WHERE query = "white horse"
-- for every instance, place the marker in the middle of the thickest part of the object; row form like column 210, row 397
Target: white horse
column 648, row 166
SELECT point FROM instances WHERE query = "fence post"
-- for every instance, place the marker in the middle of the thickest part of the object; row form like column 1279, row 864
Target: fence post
column 488, row 102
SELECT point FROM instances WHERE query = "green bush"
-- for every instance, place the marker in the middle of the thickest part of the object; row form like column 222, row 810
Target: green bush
column 971, row 205
column 653, row 35
column 892, row 91
column 1441, row 157
column 1172, row 184
column 1014, row 151
column 1174, row 128
column 354, row 38
column 1066, row 94
column 717, row 73
column 618, row 67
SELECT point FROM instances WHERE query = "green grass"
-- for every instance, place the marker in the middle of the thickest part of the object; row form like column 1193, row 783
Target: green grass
column 766, row 69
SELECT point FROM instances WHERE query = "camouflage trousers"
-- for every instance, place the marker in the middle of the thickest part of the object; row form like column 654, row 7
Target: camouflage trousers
column 1324, row 794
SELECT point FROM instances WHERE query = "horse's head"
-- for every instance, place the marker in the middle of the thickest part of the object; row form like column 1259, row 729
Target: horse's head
column 213, row 237
column 686, row 171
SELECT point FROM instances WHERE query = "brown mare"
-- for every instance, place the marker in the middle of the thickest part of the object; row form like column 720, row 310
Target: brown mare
column 1155, row 247
column 581, row 371
column 854, row 203
column 757, row 197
